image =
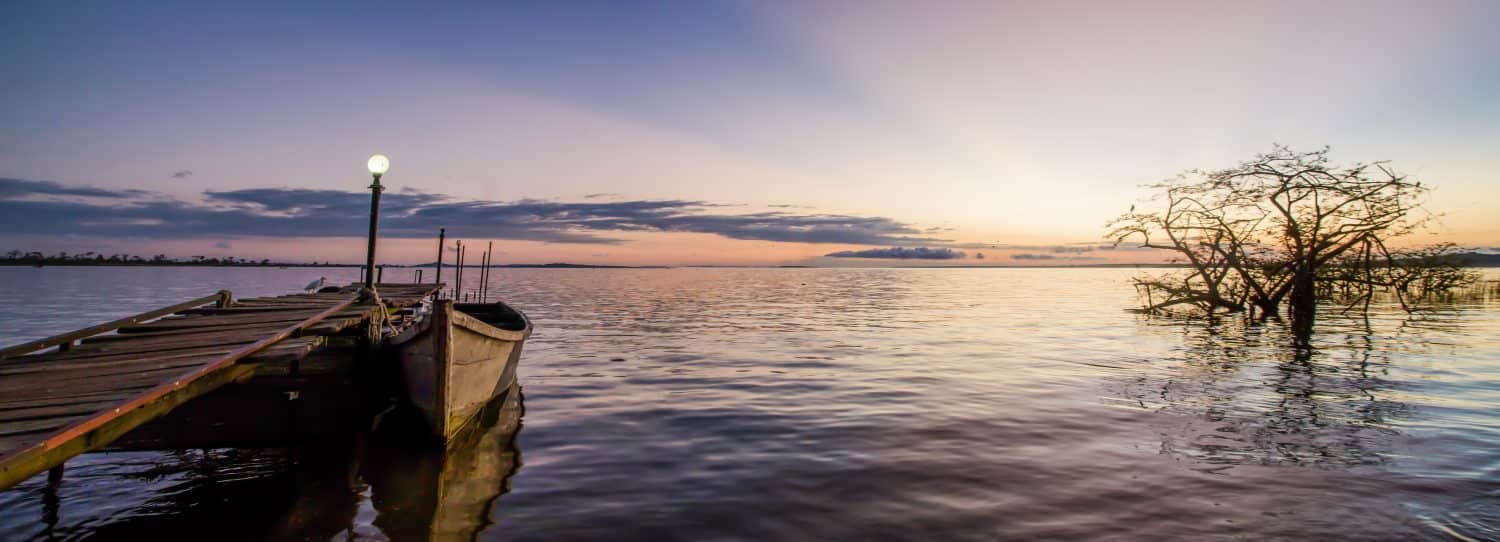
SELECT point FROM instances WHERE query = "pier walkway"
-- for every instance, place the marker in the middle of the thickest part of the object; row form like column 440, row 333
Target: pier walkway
column 98, row 383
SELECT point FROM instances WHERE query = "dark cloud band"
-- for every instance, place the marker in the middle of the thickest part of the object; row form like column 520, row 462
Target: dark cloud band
column 41, row 207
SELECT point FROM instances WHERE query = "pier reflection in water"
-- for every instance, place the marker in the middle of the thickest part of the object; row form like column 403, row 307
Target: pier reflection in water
column 392, row 482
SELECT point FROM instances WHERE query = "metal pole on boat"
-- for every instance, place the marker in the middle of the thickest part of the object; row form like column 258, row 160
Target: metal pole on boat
column 489, row 257
column 442, row 232
column 378, row 165
column 458, row 280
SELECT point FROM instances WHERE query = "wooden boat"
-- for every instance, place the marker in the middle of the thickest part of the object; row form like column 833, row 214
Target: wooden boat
column 459, row 357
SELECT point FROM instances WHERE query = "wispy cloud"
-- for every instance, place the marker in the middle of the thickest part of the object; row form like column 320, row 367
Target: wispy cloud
column 903, row 253
column 32, row 207
column 21, row 189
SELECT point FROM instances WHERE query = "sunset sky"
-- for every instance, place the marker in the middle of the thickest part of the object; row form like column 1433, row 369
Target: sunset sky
column 681, row 133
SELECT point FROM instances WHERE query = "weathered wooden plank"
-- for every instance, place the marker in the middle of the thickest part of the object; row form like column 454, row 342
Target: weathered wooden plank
column 334, row 326
column 271, row 302
column 205, row 322
column 132, row 364
column 238, row 338
column 228, row 331
column 285, row 302
column 124, row 350
column 53, row 411
column 21, row 427
column 230, row 318
column 99, row 379
column 289, row 350
column 107, row 342
column 222, row 297
column 305, row 297
column 249, row 309
column 251, row 317
column 324, row 361
column 26, row 457
column 120, row 349
column 12, row 442
column 225, row 329
column 327, row 327
column 116, row 395
column 406, row 297
column 96, row 430
column 61, row 368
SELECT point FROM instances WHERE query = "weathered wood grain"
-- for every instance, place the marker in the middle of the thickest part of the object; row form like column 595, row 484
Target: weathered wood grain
column 221, row 297
column 58, row 404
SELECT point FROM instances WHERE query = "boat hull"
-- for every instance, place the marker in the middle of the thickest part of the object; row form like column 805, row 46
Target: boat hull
column 454, row 364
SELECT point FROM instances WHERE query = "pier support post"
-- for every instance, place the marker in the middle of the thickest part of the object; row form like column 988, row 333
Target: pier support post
column 51, row 500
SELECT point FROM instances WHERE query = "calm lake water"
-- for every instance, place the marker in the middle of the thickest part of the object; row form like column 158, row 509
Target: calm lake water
column 692, row 404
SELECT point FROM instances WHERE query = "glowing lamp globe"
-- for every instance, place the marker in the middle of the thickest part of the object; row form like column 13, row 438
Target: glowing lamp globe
column 379, row 164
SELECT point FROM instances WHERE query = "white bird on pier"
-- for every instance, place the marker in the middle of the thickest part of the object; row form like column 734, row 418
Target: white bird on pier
column 316, row 285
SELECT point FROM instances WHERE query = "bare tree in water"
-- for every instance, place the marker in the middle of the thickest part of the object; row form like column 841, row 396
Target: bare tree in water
column 1287, row 227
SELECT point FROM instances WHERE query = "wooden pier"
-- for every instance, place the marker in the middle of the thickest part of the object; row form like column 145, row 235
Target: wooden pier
column 97, row 384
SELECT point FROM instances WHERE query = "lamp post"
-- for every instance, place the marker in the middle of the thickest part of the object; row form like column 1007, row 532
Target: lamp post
column 378, row 165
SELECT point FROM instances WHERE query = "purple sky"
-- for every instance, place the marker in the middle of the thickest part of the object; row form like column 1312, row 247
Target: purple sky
column 735, row 132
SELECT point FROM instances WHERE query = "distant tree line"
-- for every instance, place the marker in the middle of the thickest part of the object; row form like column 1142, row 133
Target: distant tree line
column 35, row 258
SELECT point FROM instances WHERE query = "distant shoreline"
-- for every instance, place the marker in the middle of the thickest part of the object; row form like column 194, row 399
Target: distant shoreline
column 1481, row 265
column 1475, row 259
column 578, row 266
column 4, row 263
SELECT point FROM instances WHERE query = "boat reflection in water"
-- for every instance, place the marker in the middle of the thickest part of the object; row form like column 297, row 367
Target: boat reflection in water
column 394, row 481
column 423, row 491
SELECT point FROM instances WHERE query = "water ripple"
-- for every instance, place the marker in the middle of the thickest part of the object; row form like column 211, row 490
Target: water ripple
column 804, row 404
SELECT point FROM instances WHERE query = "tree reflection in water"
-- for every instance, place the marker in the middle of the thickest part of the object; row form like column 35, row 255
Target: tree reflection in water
column 1235, row 394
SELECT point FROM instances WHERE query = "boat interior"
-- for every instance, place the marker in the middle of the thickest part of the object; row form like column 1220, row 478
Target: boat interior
column 496, row 314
